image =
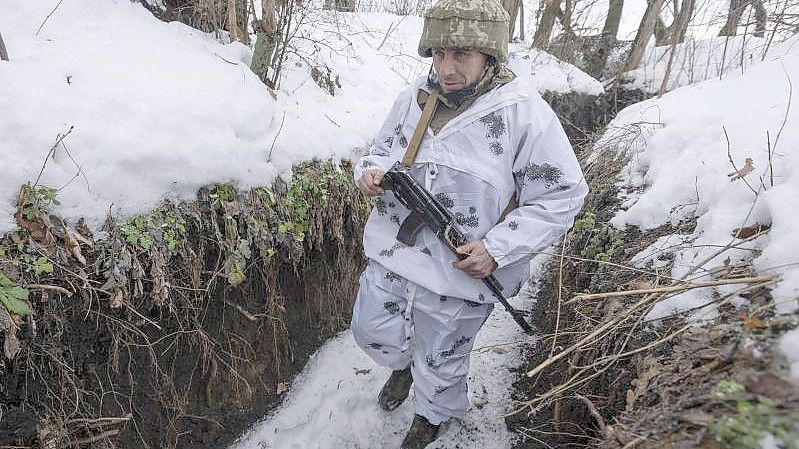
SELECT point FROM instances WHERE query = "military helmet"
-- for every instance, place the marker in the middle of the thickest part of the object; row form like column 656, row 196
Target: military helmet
column 478, row 24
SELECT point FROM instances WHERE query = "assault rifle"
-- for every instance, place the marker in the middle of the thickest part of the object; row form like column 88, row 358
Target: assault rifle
column 426, row 210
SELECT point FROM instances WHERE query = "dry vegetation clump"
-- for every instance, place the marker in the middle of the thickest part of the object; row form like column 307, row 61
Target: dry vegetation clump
column 178, row 327
column 602, row 370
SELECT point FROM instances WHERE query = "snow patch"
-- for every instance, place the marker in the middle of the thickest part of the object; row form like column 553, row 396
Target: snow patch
column 690, row 153
column 335, row 398
column 789, row 345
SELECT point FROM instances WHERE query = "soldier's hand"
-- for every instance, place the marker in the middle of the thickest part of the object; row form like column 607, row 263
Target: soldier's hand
column 477, row 263
column 370, row 181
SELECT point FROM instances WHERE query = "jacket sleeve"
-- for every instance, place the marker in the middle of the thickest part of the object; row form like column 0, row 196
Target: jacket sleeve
column 385, row 150
column 550, row 189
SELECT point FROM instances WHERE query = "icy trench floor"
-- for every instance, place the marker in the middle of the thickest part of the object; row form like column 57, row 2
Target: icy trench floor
column 332, row 404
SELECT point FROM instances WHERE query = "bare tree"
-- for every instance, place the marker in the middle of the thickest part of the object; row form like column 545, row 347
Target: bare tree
column 549, row 11
column 678, row 35
column 613, row 19
column 645, row 31
column 737, row 8
column 596, row 49
column 3, row 52
column 681, row 17
column 232, row 23
column 513, row 7
column 210, row 15
column 340, row 5
column 265, row 41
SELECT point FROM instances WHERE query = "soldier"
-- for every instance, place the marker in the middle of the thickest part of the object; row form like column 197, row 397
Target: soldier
column 492, row 144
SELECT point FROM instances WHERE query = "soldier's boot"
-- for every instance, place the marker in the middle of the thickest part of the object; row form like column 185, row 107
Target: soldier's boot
column 420, row 434
column 396, row 389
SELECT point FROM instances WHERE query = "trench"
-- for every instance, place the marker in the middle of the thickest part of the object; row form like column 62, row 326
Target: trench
column 213, row 322
column 567, row 421
column 182, row 327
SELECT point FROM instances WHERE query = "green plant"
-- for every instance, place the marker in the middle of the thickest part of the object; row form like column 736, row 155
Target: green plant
column 221, row 194
column 727, row 388
column 42, row 265
column 14, row 297
column 141, row 229
column 753, row 421
column 37, row 199
column 136, row 231
column 603, row 241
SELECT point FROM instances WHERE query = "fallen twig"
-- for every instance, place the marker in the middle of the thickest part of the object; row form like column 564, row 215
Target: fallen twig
column 672, row 288
column 49, row 287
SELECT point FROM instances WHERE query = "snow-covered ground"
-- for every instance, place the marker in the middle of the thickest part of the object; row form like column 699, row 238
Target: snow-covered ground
column 724, row 152
column 159, row 109
column 333, row 403
column 699, row 60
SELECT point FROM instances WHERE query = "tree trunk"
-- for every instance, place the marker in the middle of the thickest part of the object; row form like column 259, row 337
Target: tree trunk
column 662, row 33
column 235, row 31
column 684, row 19
column 760, row 17
column 645, row 30
column 549, row 12
column 737, row 8
column 265, row 41
column 613, row 18
column 597, row 59
column 3, row 52
column 678, row 34
column 512, row 7
column 730, row 28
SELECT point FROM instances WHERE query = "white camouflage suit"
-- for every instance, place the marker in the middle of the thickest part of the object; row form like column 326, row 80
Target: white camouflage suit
column 413, row 305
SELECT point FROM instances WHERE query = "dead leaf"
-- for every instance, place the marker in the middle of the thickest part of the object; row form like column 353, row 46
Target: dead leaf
column 696, row 417
column 640, row 284
column 11, row 346
column 5, row 320
column 749, row 231
column 752, row 322
column 743, row 171
column 116, row 301
column 282, row 387
column 84, row 230
column 771, row 385
column 719, row 271
column 72, row 245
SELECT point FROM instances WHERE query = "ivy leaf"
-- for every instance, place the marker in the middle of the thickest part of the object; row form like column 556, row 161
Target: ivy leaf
column 15, row 300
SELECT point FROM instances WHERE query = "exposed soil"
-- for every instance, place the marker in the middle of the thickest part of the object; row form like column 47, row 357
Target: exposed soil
column 643, row 385
column 184, row 339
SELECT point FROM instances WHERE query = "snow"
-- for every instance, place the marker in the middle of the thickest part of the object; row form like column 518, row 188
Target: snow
column 335, row 397
column 549, row 73
column 680, row 169
column 789, row 346
column 696, row 60
column 158, row 110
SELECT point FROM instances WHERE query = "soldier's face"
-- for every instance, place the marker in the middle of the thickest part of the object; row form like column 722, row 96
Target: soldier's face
column 458, row 68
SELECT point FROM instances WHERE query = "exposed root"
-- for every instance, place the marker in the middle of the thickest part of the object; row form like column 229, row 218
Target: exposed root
column 178, row 325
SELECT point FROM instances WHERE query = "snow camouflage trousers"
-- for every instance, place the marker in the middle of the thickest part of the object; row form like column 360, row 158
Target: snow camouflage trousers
column 397, row 322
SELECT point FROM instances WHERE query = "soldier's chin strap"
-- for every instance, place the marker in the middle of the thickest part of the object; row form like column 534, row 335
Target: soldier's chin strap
column 418, row 134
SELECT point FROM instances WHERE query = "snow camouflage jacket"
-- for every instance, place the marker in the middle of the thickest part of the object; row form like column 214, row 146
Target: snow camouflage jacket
column 509, row 141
